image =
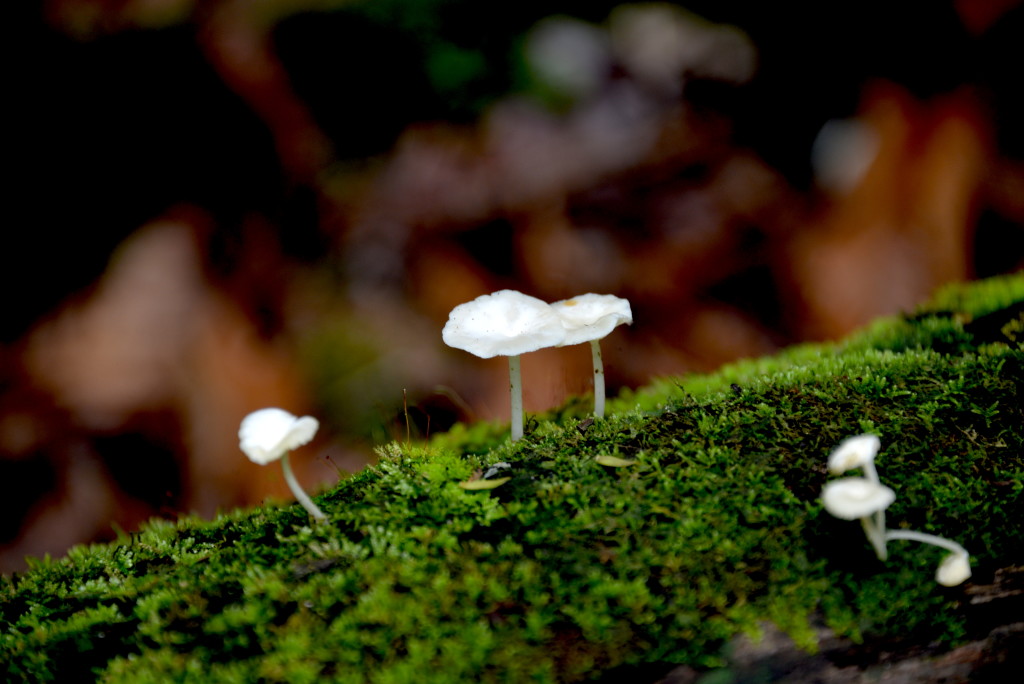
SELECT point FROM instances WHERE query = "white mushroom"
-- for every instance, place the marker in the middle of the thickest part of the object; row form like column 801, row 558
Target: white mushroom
column 505, row 323
column 589, row 318
column 851, row 498
column 855, row 452
column 269, row 434
column 954, row 568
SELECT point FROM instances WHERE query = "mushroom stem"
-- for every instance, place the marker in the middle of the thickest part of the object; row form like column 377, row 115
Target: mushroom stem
column 954, row 569
column 874, row 527
column 595, row 350
column 871, row 472
column 910, row 535
column 300, row 495
column 516, row 388
column 874, row 530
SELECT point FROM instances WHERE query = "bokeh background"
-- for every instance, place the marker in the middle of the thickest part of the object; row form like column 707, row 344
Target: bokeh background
column 224, row 205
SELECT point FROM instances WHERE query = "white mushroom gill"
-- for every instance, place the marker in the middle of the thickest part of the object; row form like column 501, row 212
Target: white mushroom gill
column 851, row 498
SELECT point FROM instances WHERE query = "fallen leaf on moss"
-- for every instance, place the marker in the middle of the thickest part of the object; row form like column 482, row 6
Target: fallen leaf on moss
column 484, row 484
column 614, row 461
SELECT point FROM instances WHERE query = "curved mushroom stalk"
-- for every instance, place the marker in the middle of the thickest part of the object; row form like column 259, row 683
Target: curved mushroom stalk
column 954, row 569
column 297, row 490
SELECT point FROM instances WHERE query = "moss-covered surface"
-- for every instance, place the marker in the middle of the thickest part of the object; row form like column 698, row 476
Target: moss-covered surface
column 572, row 570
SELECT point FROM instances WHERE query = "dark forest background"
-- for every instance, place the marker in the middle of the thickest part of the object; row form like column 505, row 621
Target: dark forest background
column 224, row 205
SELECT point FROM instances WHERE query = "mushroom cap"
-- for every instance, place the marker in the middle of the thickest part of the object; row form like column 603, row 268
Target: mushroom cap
column 504, row 323
column 853, row 452
column 591, row 316
column 266, row 435
column 850, row 498
column 954, row 569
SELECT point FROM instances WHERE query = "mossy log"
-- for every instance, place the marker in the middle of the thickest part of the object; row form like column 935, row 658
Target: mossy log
column 993, row 651
column 681, row 539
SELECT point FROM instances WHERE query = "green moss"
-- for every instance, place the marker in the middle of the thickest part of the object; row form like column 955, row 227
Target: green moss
column 572, row 568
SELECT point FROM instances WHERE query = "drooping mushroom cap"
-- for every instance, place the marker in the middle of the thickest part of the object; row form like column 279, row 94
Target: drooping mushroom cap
column 504, row 323
column 954, row 569
column 853, row 452
column 266, row 435
column 850, row 498
column 591, row 316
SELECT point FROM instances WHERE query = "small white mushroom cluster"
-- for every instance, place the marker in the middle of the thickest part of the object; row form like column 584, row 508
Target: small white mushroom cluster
column 866, row 498
column 510, row 323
